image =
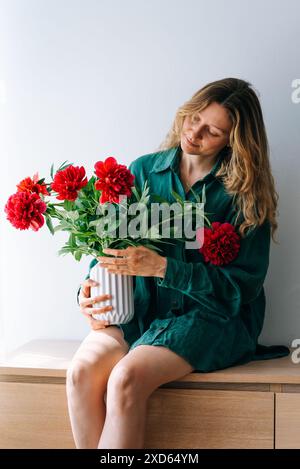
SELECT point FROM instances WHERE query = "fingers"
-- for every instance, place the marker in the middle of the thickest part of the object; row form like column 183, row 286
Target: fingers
column 93, row 300
column 86, row 286
column 112, row 260
column 85, row 290
column 89, row 282
column 96, row 324
column 118, row 252
column 86, row 300
column 91, row 311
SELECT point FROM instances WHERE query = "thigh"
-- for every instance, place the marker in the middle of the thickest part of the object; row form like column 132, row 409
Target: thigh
column 150, row 366
column 100, row 350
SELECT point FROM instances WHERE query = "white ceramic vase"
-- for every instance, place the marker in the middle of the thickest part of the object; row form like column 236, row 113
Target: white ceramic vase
column 121, row 289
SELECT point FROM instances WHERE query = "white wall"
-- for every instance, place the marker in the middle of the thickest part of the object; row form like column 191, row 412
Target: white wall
column 82, row 80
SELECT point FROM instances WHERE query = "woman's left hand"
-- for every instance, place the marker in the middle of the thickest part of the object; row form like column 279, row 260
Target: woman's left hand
column 138, row 260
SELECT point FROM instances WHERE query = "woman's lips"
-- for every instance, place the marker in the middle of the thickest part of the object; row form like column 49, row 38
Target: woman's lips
column 189, row 142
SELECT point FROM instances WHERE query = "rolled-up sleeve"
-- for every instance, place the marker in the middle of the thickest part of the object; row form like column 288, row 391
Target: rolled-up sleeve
column 224, row 289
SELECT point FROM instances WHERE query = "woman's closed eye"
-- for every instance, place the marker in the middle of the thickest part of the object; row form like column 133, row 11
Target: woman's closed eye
column 197, row 119
column 213, row 134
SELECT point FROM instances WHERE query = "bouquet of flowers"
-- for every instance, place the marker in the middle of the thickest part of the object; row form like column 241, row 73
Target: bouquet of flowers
column 101, row 212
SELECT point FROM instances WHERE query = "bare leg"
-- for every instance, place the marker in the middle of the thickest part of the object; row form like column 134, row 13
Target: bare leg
column 131, row 382
column 86, row 383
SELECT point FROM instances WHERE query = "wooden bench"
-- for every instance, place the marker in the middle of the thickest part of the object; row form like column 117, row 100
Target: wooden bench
column 256, row 405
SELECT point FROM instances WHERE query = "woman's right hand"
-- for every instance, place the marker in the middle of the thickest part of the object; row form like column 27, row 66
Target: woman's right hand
column 85, row 300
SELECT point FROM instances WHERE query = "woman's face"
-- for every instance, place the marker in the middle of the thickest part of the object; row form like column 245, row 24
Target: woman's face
column 206, row 132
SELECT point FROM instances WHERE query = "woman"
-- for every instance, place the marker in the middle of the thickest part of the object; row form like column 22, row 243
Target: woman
column 189, row 315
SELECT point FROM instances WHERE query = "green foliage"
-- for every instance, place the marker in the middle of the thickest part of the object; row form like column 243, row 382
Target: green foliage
column 92, row 227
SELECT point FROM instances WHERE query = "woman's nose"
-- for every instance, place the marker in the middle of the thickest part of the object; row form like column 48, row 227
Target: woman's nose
column 194, row 136
column 196, row 133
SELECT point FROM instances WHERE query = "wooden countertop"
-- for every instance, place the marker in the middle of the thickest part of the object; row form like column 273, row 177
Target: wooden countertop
column 50, row 358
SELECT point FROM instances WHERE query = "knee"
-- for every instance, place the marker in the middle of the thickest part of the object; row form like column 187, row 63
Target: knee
column 76, row 375
column 82, row 375
column 123, row 388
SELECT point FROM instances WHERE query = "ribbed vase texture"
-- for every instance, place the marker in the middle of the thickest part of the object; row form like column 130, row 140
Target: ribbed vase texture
column 121, row 289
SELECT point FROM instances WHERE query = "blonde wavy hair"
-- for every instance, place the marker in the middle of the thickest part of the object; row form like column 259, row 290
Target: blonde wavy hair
column 245, row 169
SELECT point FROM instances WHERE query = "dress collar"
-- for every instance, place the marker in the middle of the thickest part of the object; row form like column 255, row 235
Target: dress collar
column 169, row 159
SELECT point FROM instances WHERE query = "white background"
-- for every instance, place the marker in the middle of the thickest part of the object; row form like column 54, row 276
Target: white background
column 83, row 80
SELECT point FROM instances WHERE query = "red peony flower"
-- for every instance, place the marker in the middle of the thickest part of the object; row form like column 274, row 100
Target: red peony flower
column 68, row 182
column 221, row 243
column 31, row 185
column 25, row 210
column 114, row 180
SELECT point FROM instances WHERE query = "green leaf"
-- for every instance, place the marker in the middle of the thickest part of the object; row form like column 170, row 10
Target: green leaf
column 93, row 223
column 145, row 197
column 78, row 255
column 203, row 195
column 65, row 250
column 73, row 215
column 62, row 166
column 158, row 198
column 79, row 203
column 72, row 240
column 152, row 246
column 68, row 205
column 87, row 234
column 51, row 170
column 58, row 228
column 197, row 198
column 135, row 193
column 177, row 197
column 49, row 224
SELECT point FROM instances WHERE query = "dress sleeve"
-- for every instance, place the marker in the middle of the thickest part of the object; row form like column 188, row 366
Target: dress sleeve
column 224, row 289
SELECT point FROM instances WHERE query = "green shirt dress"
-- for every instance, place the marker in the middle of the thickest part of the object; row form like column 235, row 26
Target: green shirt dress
column 210, row 315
